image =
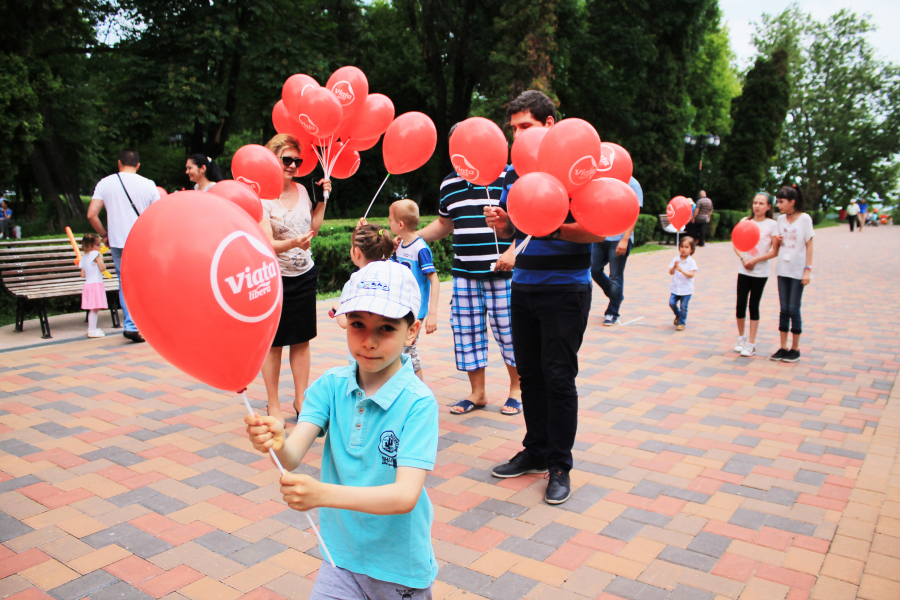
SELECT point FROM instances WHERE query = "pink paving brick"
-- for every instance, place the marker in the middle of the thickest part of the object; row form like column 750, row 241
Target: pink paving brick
column 729, row 530
column 133, row 569
column 822, row 502
column 463, row 501
column 58, row 457
column 785, row 576
column 267, row 509
column 811, row 543
column 570, row 556
column 170, row 581
column 261, row 593
column 598, row 542
column 116, row 473
column 483, row 540
column 186, row 533
column 31, row 594
column 144, row 479
column 154, row 523
column 231, row 503
column 773, row 538
column 22, row 561
column 628, row 499
column 735, row 567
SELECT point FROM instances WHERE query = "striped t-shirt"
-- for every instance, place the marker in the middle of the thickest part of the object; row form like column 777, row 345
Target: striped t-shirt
column 474, row 248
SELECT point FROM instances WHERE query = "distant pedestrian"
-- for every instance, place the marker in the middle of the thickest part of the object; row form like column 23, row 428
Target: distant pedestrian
column 853, row 215
column 5, row 216
column 863, row 212
column 754, row 272
column 682, row 269
column 702, row 216
column 202, row 171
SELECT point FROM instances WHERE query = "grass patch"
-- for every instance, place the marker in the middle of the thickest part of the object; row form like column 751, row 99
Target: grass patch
column 650, row 247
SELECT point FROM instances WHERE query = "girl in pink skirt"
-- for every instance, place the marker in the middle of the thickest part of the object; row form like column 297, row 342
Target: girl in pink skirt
column 93, row 296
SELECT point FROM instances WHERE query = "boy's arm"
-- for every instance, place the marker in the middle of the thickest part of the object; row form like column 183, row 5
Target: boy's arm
column 436, row 230
column 431, row 319
column 302, row 492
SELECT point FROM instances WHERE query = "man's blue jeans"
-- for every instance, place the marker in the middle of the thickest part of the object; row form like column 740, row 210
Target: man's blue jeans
column 603, row 253
column 680, row 313
column 117, row 260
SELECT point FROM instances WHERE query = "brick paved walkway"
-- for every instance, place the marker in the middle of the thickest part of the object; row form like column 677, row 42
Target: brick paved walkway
column 699, row 474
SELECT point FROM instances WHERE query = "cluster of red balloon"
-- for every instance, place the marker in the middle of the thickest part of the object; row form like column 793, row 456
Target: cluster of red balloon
column 553, row 164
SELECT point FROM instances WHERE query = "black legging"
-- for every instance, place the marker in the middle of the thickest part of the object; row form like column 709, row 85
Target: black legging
column 752, row 287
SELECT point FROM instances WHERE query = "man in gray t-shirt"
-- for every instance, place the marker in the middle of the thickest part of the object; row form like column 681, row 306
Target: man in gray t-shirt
column 702, row 216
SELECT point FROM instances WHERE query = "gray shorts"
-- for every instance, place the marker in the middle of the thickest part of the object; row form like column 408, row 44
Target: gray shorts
column 340, row 584
column 413, row 352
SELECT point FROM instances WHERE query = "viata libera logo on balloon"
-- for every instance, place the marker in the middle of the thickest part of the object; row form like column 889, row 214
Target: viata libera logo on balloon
column 245, row 278
column 670, row 211
column 308, row 124
column 583, row 170
column 355, row 167
column 607, row 158
column 344, row 91
column 463, row 167
column 253, row 185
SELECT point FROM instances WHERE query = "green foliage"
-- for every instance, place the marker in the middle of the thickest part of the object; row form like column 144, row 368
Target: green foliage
column 817, row 216
column 713, row 226
column 643, row 230
column 726, row 222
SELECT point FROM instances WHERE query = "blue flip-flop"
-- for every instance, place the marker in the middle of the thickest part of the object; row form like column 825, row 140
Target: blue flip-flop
column 511, row 403
column 467, row 406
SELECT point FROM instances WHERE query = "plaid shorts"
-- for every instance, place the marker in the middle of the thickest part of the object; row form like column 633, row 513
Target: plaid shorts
column 473, row 300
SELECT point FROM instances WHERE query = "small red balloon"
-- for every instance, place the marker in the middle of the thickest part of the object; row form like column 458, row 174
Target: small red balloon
column 679, row 212
column 361, row 145
column 525, row 150
column 614, row 162
column 162, row 193
column 259, row 168
column 218, row 273
column 293, row 90
column 347, row 162
column 310, row 160
column 240, row 194
column 745, row 236
column 408, row 143
column 351, row 88
column 478, row 151
column 283, row 123
column 371, row 121
column 319, row 112
column 605, row 206
column 570, row 152
column 537, row 204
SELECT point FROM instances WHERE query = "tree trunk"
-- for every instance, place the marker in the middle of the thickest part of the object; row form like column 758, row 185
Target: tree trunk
column 45, row 185
column 57, row 166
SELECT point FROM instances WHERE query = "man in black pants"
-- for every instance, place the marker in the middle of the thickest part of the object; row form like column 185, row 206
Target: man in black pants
column 701, row 218
column 551, row 299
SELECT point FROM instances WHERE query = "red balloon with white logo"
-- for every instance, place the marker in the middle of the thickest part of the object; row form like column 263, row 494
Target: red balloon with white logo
column 408, row 143
column 241, row 195
column 283, row 123
column 347, row 162
column 525, row 149
column 615, row 162
column 478, row 151
column 310, row 161
column 257, row 167
column 319, row 112
column 351, row 88
column 360, row 145
column 293, row 90
column 209, row 298
column 570, row 152
column 605, row 206
column 371, row 121
column 745, row 236
column 679, row 212
column 537, row 204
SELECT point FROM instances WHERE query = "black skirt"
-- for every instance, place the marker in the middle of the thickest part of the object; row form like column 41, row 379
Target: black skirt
column 298, row 309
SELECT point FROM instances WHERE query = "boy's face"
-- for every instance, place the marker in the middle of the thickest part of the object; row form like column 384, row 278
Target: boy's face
column 521, row 122
column 376, row 342
column 395, row 225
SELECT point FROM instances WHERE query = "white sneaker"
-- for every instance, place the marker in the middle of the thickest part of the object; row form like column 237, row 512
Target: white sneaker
column 95, row 333
column 749, row 349
column 742, row 341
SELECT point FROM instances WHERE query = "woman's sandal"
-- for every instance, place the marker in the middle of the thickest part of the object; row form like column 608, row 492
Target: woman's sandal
column 467, row 406
column 511, row 408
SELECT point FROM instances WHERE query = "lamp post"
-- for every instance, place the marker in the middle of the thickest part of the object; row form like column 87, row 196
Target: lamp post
column 702, row 141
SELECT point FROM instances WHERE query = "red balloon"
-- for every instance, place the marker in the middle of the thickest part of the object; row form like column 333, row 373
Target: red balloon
column 615, row 162
column 371, row 121
column 745, row 236
column 408, row 143
column 353, row 144
column 605, row 206
column 570, row 152
column 283, row 123
column 259, row 168
column 218, row 273
column 162, row 193
column 319, row 112
column 310, row 160
column 478, row 151
column 240, row 194
column 351, row 87
column 679, row 212
column 525, row 150
column 293, row 90
column 347, row 161
column 537, row 204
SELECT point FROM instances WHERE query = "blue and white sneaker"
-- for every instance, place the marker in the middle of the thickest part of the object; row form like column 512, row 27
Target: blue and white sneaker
column 610, row 320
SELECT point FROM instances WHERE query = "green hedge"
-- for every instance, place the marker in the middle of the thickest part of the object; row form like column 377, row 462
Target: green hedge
column 727, row 220
column 713, row 226
column 817, row 216
column 643, row 230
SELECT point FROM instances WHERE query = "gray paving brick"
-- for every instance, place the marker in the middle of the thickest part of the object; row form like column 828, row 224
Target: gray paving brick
column 230, row 452
column 257, row 552
column 804, row 476
column 687, row 495
column 814, row 425
column 463, row 578
column 687, row 558
column 482, row 475
column 750, row 519
column 737, row 467
column 473, row 519
column 144, row 545
column 84, row 586
column 808, row 448
column 18, row 447
column 625, row 425
column 120, row 591
column 622, row 529
column 18, row 482
column 792, row 525
column 653, row 446
column 173, row 428
column 781, row 496
column 115, row 454
column 742, row 490
column 635, row 590
column 554, row 534
column 590, row 493
column 645, row 516
column 141, row 394
column 753, row 460
column 81, row 391
column 111, row 535
column 526, row 548
column 163, row 504
column 221, row 542
column 137, row 496
column 846, row 453
column 11, row 528
column 208, row 478
column 462, row 438
column 686, row 592
column 292, row 518
column 746, row 440
column 61, row 406
column 648, row 489
column 483, row 422
column 499, row 507
column 37, row 375
column 57, row 431
column 574, row 505
column 144, row 434
column 508, row 586
column 596, row 469
column 709, row 544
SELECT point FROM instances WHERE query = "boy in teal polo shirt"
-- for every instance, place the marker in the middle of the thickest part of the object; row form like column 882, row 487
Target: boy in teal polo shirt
column 382, row 425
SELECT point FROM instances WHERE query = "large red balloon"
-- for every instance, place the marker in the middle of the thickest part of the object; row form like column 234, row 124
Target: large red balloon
column 351, row 87
column 310, row 160
column 605, row 206
column 537, row 204
column 478, row 151
column 209, row 298
column 293, row 90
column 240, row 194
column 615, row 162
column 319, row 112
column 679, row 212
column 570, row 152
column 360, row 145
column 259, row 168
column 745, row 236
column 371, row 121
column 347, row 161
column 283, row 123
column 525, row 150
column 408, row 143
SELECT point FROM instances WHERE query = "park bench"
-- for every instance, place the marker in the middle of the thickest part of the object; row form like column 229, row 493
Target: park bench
column 34, row 271
column 668, row 230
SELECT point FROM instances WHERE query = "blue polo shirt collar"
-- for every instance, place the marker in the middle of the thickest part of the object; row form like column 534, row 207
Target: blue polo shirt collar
column 389, row 392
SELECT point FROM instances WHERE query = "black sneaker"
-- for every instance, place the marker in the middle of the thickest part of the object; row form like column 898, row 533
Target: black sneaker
column 519, row 464
column 779, row 355
column 559, row 489
column 134, row 336
column 791, row 356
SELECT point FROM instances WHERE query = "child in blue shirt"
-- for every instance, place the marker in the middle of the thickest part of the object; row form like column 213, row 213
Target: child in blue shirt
column 415, row 254
column 382, row 425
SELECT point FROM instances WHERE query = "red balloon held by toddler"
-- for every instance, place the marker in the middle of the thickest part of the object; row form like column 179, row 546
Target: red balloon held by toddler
column 679, row 212
column 745, row 236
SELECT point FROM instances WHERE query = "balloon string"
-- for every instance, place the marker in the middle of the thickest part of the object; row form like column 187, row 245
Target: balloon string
column 491, row 204
column 376, row 195
column 521, row 247
column 321, row 158
column 283, row 472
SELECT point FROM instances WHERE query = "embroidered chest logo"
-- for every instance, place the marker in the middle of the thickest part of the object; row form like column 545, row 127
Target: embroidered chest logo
column 388, row 446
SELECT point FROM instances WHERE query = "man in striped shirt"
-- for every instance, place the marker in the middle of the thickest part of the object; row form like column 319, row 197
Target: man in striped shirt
column 482, row 267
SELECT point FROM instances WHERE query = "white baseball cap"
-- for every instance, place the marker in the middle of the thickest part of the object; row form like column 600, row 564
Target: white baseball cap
column 382, row 287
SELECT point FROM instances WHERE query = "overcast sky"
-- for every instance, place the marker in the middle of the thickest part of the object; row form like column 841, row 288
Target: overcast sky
column 739, row 14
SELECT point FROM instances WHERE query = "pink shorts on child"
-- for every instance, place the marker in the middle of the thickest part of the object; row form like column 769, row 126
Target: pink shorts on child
column 93, row 296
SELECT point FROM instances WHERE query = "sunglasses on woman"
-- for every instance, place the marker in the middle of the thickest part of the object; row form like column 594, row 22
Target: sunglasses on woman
column 289, row 160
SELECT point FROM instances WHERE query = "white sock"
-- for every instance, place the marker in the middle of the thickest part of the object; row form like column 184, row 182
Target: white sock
column 92, row 319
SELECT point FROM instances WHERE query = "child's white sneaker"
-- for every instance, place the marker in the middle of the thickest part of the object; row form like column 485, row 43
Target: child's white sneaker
column 95, row 333
column 749, row 349
column 742, row 341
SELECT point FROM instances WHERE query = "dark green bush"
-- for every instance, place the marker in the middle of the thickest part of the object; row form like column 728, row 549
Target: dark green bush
column 817, row 216
column 727, row 220
column 643, row 230
column 714, row 225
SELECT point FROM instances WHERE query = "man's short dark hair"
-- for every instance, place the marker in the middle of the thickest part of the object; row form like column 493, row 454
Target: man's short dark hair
column 129, row 158
column 537, row 103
